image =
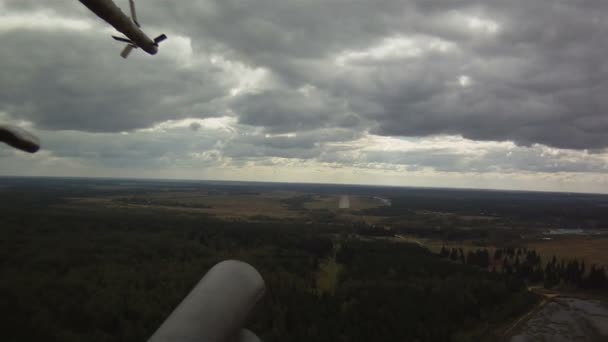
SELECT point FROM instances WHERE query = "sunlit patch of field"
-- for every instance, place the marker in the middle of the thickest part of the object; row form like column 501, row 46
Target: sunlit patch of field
column 591, row 249
column 477, row 218
column 331, row 202
column 246, row 206
column 363, row 202
column 322, row 202
column 435, row 245
column 437, row 214
column 228, row 206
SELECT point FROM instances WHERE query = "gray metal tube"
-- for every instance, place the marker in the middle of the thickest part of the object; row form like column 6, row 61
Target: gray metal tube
column 216, row 309
column 19, row 138
column 247, row 336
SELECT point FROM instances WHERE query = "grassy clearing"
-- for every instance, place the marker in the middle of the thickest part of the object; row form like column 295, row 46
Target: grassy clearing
column 329, row 270
column 327, row 279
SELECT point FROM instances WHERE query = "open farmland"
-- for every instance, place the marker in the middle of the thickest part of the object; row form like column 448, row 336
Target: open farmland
column 227, row 206
column 332, row 202
column 251, row 206
column 591, row 249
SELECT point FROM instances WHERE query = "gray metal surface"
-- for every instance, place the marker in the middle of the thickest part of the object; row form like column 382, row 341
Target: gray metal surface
column 246, row 336
column 19, row 138
column 113, row 15
column 216, row 309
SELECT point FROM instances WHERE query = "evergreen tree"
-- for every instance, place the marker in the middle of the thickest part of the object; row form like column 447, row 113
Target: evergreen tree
column 454, row 255
column 498, row 254
column 596, row 278
column 537, row 275
column 444, row 252
column 485, row 259
column 470, row 258
column 506, row 266
column 551, row 277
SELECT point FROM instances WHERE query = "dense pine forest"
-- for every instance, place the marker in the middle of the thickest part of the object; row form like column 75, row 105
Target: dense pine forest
column 108, row 275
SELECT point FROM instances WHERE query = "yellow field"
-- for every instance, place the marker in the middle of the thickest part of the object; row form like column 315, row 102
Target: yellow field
column 435, row 245
column 233, row 206
column 593, row 250
column 330, row 202
column 228, row 206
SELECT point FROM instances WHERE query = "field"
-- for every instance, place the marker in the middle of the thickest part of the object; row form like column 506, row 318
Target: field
column 434, row 218
column 453, row 218
column 253, row 206
column 332, row 202
column 593, row 250
column 226, row 206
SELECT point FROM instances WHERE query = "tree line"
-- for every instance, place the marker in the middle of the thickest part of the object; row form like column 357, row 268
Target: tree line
column 527, row 264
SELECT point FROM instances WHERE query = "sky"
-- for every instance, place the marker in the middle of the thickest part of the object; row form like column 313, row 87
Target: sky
column 502, row 94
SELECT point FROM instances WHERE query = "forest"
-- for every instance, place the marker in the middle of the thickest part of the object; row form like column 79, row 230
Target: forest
column 528, row 265
column 106, row 274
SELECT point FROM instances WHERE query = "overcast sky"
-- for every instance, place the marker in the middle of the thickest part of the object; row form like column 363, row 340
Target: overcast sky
column 506, row 94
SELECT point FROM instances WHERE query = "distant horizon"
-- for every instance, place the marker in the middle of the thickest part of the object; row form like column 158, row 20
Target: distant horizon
column 193, row 180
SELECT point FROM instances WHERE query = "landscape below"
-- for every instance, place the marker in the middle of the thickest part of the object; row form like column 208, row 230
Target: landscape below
column 108, row 260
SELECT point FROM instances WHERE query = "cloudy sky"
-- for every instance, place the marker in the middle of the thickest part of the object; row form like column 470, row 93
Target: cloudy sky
column 506, row 94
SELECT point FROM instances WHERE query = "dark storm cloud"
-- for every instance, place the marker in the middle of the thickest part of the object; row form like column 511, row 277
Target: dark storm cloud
column 307, row 145
column 523, row 71
column 486, row 159
column 57, row 8
column 283, row 111
column 537, row 68
column 173, row 148
column 77, row 87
